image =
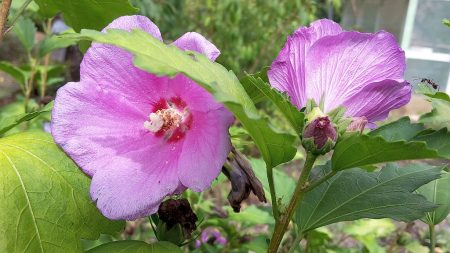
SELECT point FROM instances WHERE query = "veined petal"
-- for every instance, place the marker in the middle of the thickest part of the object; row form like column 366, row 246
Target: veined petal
column 196, row 42
column 112, row 68
column 93, row 124
column 135, row 183
column 340, row 66
column 375, row 100
column 205, row 149
column 287, row 72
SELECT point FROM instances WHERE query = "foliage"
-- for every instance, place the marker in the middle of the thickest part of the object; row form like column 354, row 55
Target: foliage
column 154, row 56
column 344, row 196
column 136, row 246
column 437, row 192
column 49, row 214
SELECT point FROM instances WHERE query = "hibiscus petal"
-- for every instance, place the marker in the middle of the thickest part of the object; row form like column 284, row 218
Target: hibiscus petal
column 205, row 149
column 287, row 72
column 137, row 182
column 92, row 124
column 113, row 68
column 196, row 42
column 375, row 100
column 340, row 66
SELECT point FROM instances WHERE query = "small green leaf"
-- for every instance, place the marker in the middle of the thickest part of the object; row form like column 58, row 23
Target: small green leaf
column 7, row 123
column 90, row 14
column 153, row 56
column 255, row 86
column 438, row 192
column 439, row 116
column 354, row 194
column 251, row 216
column 446, row 22
column 360, row 150
column 136, row 246
column 25, row 31
column 44, row 198
column 18, row 74
column 54, row 42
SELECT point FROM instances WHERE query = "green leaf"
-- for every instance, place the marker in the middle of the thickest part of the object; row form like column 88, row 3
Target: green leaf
column 255, row 86
column 136, row 246
column 354, row 194
column 25, row 31
column 90, row 14
column 44, row 198
column 403, row 129
column 399, row 130
column 54, row 42
column 439, row 116
column 7, row 123
column 360, row 150
column 155, row 57
column 251, row 215
column 18, row 74
column 369, row 231
column 438, row 192
column 446, row 22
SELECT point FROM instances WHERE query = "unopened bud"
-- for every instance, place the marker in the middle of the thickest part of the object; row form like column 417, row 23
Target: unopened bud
column 319, row 136
column 357, row 125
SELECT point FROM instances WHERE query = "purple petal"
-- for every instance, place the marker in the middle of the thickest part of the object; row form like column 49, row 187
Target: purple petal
column 375, row 100
column 112, row 68
column 92, row 124
column 287, row 72
column 205, row 149
column 136, row 182
column 340, row 66
column 195, row 42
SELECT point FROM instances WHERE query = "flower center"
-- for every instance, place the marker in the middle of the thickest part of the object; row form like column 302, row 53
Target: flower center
column 169, row 119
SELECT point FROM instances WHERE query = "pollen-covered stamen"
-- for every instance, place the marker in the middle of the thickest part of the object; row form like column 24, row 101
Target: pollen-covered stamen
column 170, row 118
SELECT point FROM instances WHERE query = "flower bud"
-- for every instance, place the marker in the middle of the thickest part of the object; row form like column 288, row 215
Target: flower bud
column 176, row 221
column 319, row 136
column 357, row 125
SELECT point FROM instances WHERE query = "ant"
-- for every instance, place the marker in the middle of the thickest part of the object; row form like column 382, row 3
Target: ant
column 430, row 82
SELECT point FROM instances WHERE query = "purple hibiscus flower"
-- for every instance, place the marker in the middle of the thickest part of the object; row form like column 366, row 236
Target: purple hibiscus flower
column 140, row 137
column 211, row 235
column 361, row 71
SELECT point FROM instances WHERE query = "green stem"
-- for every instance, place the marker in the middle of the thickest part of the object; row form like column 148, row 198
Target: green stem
column 432, row 238
column 296, row 242
column 273, row 194
column 320, row 181
column 297, row 197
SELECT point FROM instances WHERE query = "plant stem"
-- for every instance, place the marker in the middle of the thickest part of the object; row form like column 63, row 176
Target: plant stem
column 6, row 4
column 29, row 86
column 44, row 73
column 17, row 15
column 273, row 194
column 296, row 242
column 432, row 238
column 297, row 197
column 320, row 181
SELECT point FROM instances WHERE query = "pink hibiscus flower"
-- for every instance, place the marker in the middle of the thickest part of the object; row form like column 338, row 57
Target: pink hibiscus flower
column 140, row 137
column 361, row 71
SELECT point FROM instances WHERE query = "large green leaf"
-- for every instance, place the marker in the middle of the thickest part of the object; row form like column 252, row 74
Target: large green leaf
column 54, row 42
column 438, row 192
column 80, row 14
column 360, row 150
column 44, row 198
column 136, row 247
column 155, row 57
column 25, row 31
column 354, row 194
column 255, row 86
